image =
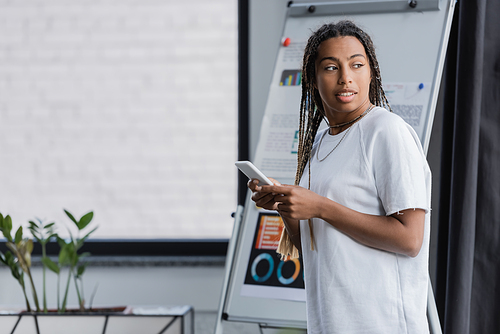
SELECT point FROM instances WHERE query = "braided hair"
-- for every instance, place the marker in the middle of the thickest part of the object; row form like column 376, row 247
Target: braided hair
column 312, row 112
column 311, row 105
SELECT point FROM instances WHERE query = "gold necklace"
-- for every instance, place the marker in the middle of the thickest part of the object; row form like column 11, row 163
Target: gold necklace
column 347, row 123
column 345, row 133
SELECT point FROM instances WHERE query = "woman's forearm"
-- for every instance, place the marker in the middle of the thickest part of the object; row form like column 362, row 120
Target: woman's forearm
column 400, row 233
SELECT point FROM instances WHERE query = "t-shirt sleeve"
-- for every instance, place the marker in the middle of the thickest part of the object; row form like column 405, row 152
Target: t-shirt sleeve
column 399, row 166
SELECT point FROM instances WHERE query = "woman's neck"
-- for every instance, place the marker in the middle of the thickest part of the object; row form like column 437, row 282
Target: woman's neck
column 352, row 118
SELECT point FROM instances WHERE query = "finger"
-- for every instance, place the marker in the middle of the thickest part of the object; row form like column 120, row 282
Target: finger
column 257, row 196
column 282, row 198
column 282, row 207
column 274, row 189
column 261, row 196
column 274, row 181
column 267, row 203
column 254, row 185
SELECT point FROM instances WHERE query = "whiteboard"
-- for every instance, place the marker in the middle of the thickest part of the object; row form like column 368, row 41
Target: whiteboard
column 410, row 44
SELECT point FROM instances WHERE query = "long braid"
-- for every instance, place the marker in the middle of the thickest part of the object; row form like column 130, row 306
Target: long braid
column 311, row 106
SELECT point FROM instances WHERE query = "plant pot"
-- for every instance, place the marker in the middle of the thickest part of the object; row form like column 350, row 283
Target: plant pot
column 144, row 320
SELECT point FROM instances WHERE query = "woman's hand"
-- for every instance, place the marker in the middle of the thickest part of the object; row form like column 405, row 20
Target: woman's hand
column 400, row 233
column 290, row 201
column 263, row 198
column 272, row 198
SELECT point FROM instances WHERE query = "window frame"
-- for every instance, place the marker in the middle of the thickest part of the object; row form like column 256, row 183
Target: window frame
column 126, row 248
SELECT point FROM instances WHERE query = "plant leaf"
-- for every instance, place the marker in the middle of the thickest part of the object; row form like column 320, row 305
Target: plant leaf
column 3, row 259
column 71, row 237
column 85, row 220
column 11, row 246
column 51, row 265
column 64, row 255
column 83, row 255
column 28, row 250
column 6, row 234
column 17, row 274
column 38, row 239
column 49, row 225
column 8, row 260
column 61, row 242
column 69, row 255
column 8, row 223
column 35, row 232
column 82, row 240
column 81, row 270
column 71, row 217
column 7, row 227
column 29, row 246
column 53, row 235
column 74, row 259
column 19, row 235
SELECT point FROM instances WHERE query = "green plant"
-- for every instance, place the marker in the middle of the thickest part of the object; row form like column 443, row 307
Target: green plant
column 19, row 260
column 21, row 249
column 43, row 233
column 9, row 260
column 69, row 256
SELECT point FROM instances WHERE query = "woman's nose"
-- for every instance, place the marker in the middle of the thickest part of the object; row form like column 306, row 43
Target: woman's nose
column 345, row 77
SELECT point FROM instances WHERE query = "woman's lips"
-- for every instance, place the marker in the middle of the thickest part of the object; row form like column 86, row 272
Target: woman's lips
column 345, row 97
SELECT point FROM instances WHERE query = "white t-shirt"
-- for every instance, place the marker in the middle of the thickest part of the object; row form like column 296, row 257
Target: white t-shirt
column 378, row 168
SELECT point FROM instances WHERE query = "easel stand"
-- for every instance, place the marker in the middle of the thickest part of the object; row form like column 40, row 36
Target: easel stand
column 280, row 330
column 419, row 30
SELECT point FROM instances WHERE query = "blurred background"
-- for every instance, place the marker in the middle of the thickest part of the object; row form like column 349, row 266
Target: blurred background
column 127, row 108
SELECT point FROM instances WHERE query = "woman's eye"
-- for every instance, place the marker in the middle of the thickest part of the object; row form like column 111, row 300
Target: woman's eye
column 358, row 65
column 331, row 68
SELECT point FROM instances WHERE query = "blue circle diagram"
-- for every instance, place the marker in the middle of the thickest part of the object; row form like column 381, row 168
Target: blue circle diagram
column 291, row 279
column 261, row 257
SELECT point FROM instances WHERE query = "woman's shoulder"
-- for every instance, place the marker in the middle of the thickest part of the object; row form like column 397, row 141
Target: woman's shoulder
column 383, row 116
column 383, row 126
column 382, row 120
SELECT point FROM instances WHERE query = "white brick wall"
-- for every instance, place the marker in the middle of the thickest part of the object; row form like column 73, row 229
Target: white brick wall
column 124, row 107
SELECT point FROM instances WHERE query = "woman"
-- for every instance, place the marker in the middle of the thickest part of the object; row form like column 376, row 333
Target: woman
column 360, row 210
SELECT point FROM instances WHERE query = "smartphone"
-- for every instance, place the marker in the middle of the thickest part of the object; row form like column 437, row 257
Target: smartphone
column 252, row 172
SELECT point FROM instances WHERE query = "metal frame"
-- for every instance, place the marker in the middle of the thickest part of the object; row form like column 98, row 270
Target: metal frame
column 361, row 7
column 308, row 9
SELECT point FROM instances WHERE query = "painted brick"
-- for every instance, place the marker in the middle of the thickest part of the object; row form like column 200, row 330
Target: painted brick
column 126, row 108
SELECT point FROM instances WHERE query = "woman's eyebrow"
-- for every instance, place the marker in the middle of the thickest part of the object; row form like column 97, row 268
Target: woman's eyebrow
column 328, row 58
column 336, row 59
column 357, row 55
